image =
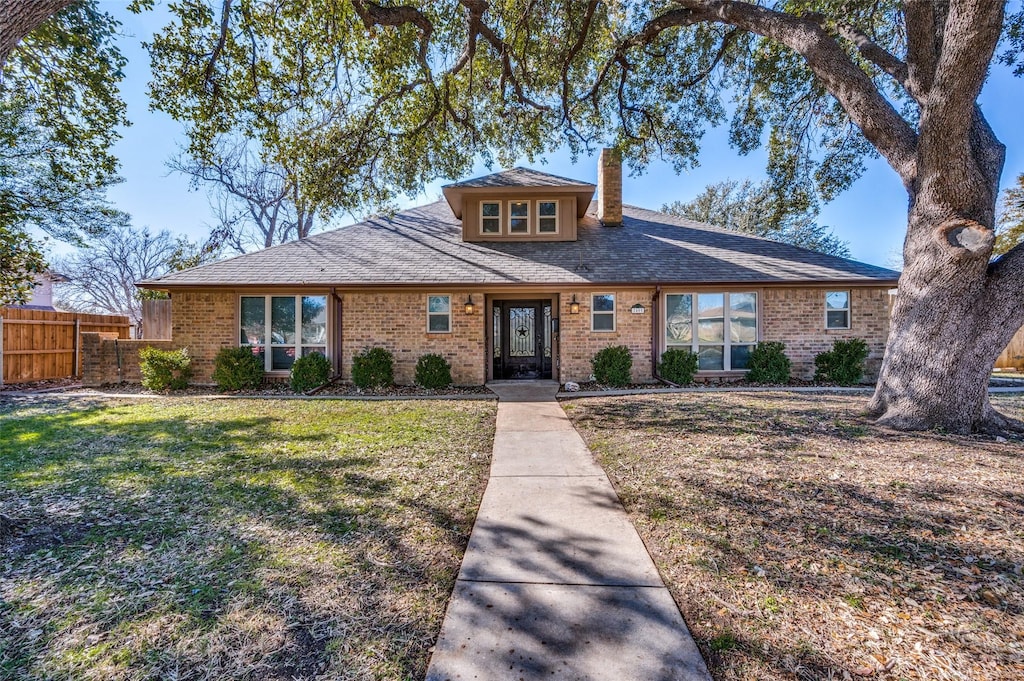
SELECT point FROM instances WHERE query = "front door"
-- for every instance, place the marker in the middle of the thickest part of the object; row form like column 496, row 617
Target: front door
column 522, row 339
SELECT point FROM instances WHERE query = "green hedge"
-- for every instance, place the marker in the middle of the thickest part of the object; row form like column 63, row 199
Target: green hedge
column 164, row 369
column 311, row 371
column 768, row 363
column 612, row 366
column 373, row 368
column 237, row 369
column 433, row 371
column 843, row 364
column 678, row 365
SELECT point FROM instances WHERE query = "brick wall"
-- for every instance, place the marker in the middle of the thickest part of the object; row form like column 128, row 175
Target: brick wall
column 578, row 344
column 398, row 322
column 797, row 318
column 204, row 322
column 100, row 352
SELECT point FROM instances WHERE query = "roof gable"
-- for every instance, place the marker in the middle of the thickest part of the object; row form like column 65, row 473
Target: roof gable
column 518, row 182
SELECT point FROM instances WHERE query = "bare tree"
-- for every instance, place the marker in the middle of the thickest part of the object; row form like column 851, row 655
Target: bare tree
column 258, row 203
column 102, row 276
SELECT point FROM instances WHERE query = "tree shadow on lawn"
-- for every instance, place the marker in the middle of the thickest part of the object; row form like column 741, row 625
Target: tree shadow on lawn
column 210, row 539
column 913, row 535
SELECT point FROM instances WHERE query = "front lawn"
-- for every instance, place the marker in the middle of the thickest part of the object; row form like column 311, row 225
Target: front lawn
column 233, row 539
column 802, row 542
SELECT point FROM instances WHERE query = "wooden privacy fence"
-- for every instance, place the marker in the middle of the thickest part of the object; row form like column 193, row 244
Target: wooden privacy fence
column 156, row 319
column 1013, row 355
column 36, row 345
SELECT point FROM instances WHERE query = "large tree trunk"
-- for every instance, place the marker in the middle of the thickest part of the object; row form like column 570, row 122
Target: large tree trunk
column 18, row 18
column 948, row 325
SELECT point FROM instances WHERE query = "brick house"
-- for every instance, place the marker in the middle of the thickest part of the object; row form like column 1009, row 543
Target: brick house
column 520, row 274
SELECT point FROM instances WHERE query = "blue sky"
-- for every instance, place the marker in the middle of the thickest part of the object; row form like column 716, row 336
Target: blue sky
column 871, row 216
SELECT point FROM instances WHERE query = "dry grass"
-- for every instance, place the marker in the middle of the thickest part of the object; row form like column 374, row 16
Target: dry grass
column 197, row 539
column 802, row 542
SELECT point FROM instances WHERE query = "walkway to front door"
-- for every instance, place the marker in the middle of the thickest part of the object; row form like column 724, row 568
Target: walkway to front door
column 522, row 339
column 556, row 583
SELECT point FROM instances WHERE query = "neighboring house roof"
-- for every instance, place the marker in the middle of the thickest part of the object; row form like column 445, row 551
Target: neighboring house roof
column 424, row 246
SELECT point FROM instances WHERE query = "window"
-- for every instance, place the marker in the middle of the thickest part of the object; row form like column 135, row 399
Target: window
column 519, row 217
column 490, row 217
column 298, row 327
column 439, row 314
column 837, row 309
column 547, row 217
column 721, row 328
column 602, row 312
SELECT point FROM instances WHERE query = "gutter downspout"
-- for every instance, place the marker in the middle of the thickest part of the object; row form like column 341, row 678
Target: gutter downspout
column 338, row 328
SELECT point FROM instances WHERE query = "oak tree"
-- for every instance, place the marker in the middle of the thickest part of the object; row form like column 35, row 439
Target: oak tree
column 396, row 94
column 755, row 209
column 59, row 113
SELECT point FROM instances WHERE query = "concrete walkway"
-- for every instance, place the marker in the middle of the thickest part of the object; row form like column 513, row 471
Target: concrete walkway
column 556, row 583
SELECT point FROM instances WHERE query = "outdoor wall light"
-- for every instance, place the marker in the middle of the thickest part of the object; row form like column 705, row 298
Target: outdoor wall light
column 574, row 306
column 638, row 309
column 469, row 304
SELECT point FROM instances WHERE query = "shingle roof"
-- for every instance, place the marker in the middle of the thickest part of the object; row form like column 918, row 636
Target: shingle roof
column 424, row 246
column 519, row 177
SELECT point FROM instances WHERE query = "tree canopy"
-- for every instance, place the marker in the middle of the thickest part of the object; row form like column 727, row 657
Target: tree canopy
column 1011, row 218
column 59, row 113
column 363, row 99
column 754, row 209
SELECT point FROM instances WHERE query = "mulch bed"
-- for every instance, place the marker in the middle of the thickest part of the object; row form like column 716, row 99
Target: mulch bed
column 40, row 385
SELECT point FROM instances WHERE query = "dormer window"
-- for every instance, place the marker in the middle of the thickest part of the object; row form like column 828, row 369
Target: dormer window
column 547, row 217
column 490, row 217
column 518, row 217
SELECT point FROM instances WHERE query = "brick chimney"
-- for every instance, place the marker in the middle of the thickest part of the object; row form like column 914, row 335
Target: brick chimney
column 609, row 187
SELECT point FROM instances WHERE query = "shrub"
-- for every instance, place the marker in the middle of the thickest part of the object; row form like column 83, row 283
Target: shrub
column 843, row 364
column 433, row 371
column 678, row 365
column 768, row 363
column 311, row 371
column 373, row 368
column 164, row 369
column 612, row 365
column 237, row 369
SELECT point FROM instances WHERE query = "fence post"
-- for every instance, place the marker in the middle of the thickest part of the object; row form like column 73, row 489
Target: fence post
column 76, row 348
column 1, row 351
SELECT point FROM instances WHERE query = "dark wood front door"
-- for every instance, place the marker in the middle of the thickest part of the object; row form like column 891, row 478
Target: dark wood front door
column 522, row 339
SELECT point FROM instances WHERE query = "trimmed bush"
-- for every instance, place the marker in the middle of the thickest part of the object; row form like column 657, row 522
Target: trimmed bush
column 311, row 371
column 433, row 371
column 678, row 365
column 843, row 364
column 373, row 368
column 768, row 363
column 237, row 369
column 612, row 365
column 164, row 369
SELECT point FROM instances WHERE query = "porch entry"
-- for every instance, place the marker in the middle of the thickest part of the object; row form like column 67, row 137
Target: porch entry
column 521, row 341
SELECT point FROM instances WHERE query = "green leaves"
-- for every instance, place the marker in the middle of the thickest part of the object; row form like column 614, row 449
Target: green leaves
column 759, row 209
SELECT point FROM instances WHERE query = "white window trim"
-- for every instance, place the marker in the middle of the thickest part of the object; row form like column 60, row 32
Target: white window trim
column 528, row 218
column 613, row 313
column 848, row 309
column 558, row 222
column 268, row 345
column 695, row 343
column 491, row 217
column 437, row 314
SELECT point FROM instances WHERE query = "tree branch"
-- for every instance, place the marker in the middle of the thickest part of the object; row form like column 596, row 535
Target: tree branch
column 880, row 123
column 18, row 18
